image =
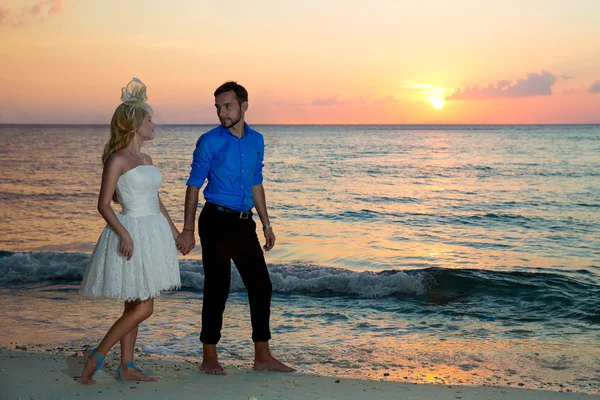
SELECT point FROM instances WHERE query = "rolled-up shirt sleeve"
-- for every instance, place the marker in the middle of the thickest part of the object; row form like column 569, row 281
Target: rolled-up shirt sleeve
column 200, row 163
column 258, row 175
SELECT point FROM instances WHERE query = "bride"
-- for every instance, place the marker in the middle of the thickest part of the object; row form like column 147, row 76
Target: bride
column 135, row 257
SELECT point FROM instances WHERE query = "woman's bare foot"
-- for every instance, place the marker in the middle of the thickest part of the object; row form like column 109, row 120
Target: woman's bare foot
column 212, row 367
column 132, row 374
column 89, row 367
column 270, row 363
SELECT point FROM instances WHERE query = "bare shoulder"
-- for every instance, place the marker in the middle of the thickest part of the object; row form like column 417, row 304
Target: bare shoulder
column 117, row 162
column 148, row 159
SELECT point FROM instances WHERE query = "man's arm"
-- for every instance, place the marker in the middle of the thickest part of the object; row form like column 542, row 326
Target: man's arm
column 200, row 166
column 186, row 240
column 260, row 203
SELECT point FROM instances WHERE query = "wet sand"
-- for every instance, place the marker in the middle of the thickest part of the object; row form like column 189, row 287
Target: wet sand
column 54, row 375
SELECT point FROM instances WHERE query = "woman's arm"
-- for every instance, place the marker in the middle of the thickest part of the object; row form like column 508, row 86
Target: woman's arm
column 113, row 169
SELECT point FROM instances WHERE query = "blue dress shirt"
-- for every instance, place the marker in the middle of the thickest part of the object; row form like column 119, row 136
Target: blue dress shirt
column 232, row 166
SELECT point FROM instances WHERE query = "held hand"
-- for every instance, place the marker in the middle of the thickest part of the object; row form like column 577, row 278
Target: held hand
column 126, row 246
column 175, row 233
column 185, row 242
column 269, row 238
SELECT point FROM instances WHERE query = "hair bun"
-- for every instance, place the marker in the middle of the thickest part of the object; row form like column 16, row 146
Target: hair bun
column 134, row 93
column 134, row 97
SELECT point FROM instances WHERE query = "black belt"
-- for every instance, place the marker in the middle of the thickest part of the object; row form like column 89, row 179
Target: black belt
column 241, row 214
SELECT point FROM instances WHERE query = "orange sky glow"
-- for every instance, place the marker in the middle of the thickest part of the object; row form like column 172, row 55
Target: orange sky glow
column 304, row 61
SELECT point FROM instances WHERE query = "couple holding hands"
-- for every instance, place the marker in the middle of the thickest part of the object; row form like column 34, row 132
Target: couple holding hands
column 136, row 258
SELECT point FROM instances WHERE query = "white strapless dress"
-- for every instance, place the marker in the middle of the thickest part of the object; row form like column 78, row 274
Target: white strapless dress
column 154, row 266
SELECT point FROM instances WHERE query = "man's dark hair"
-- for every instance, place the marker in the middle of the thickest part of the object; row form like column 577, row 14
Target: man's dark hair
column 241, row 94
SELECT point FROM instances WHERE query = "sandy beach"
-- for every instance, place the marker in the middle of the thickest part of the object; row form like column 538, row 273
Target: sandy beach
column 53, row 375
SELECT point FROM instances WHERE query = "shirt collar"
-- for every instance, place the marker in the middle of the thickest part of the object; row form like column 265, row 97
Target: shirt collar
column 247, row 130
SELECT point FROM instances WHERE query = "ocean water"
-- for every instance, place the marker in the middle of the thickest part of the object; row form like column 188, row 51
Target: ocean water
column 455, row 254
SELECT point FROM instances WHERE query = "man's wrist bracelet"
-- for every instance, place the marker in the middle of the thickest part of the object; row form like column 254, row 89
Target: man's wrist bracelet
column 188, row 229
column 268, row 226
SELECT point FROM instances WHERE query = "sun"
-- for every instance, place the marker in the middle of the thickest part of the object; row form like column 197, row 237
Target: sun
column 437, row 103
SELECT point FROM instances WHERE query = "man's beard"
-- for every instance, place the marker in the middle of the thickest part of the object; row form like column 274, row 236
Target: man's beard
column 233, row 123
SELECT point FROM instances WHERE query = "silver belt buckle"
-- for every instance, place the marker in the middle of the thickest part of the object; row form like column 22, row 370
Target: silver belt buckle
column 245, row 215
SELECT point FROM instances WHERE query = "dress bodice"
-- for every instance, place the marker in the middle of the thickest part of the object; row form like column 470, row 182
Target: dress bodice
column 137, row 191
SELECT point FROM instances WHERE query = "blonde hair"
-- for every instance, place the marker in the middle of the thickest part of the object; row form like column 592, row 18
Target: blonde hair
column 123, row 126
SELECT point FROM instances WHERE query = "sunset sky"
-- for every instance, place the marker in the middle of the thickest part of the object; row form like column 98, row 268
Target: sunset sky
column 304, row 61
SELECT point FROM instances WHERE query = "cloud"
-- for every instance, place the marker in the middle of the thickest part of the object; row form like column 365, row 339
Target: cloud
column 335, row 100
column 534, row 85
column 424, row 91
column 328, row 102
column 4, row 14
column 25, row 14
column 595, row 88
column 386, row 99
column 565, row 77
column 284, row 103
column 57, row 6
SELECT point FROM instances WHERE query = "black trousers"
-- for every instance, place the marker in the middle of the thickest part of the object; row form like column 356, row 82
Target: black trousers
column 225, row 237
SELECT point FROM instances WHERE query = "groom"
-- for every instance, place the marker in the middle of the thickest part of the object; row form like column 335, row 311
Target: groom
column 231, row 157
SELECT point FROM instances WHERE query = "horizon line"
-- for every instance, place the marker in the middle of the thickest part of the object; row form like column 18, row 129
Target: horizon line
column 310, row 124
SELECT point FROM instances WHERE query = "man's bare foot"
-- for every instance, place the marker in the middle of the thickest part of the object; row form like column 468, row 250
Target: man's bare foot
column 132, row 374
column 89, row 367
column 270, row 363
column 212, row 367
